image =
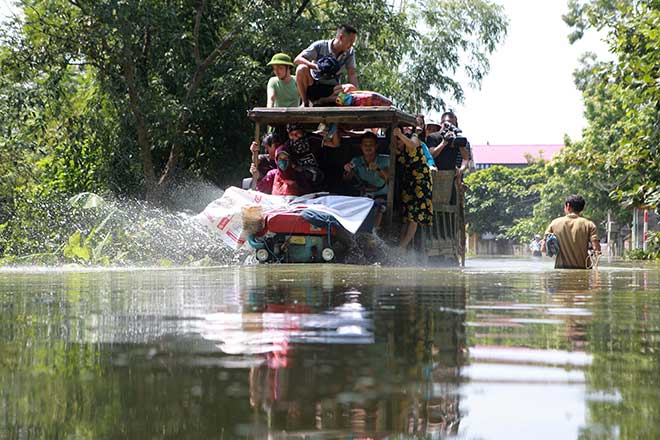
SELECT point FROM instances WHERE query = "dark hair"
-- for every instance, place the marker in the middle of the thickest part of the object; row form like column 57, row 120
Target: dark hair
column 274, row 138
column 346, row 29
column 369, row 135
column 450, row 114
column 575, row 202
column 267, row 140
column 279, row 138
column 294, row 126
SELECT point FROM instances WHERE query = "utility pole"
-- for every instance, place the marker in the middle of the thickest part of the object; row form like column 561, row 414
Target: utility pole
column 610, row 252
column 645, row 230
column 634, row 229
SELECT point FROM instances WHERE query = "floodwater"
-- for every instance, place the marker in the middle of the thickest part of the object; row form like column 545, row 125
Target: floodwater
column 504, row 348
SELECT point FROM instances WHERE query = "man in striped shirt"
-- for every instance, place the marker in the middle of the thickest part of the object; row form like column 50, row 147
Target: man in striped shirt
column 315, row 83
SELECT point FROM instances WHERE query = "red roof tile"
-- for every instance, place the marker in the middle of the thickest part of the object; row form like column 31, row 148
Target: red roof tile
column 512, row 154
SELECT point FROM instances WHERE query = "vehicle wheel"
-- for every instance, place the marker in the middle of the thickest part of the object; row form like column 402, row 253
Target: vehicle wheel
column 328, row 255
column 262, row 255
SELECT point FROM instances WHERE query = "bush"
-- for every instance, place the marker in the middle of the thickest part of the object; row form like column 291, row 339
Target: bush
column 652, row 251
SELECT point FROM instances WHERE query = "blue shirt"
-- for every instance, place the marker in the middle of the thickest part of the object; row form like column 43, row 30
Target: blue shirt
column 427, row 154
column 375, row 184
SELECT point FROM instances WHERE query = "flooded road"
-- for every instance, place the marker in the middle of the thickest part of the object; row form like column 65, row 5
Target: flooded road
column 504, row 348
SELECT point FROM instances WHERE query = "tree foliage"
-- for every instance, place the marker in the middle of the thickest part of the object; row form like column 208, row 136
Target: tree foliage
column 499, row 198
column 177, row 77
column 623, row 96
column 113, row 96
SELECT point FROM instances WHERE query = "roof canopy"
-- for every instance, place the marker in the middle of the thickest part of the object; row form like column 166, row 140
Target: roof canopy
column 352, row 116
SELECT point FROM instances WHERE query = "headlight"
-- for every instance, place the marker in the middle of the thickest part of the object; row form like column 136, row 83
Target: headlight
column 328, row 254
column 262, row 255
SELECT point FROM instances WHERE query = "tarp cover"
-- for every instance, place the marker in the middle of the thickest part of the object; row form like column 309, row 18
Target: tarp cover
column 224, row 214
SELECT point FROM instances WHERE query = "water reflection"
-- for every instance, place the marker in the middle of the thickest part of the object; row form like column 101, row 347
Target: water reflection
column 358, row 359
column 331, row 352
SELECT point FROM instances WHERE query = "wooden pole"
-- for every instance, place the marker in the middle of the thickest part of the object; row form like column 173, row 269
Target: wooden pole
column 460, row 212
column 255, row 156
column 392, row 178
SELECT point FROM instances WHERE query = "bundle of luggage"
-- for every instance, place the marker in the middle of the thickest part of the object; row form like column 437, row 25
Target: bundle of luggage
column 362, row 98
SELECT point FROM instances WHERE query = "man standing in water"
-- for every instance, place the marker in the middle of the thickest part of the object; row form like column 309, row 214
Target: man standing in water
column 574, row 233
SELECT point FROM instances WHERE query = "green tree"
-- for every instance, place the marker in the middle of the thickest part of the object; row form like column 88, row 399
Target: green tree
column 615, row 164
column 499, row 198
column 129, row 98
column 632, row 84
column 592, row 167
column 169, row 71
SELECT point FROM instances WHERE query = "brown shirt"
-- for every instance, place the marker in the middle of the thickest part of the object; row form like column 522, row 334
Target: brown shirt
column 574, row 234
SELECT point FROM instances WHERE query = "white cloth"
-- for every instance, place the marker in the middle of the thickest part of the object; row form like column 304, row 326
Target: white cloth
column 224, row 214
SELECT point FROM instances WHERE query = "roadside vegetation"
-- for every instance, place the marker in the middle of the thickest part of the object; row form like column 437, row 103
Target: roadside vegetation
column 616, row 165
column 127, row 100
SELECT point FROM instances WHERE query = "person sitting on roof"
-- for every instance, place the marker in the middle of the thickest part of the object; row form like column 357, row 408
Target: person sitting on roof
column 281, row 89
column 370, row 173
column 322, row 63
column 266, row 162
column 283, row 180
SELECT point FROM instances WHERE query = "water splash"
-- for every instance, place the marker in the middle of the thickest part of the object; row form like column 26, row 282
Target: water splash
column 95, row 231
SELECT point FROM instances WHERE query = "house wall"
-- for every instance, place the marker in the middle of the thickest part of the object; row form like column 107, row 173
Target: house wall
column 479, row 246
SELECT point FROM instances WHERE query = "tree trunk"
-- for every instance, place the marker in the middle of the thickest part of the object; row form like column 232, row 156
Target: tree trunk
column 141, row 131
column 184, row 116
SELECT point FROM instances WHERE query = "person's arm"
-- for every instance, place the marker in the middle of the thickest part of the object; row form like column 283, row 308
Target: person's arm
column 351, row 133
column 254, row 166
column 306, row 56
column 595, row 242
column 270, row 94
column 411, row 144
column 435, row 151
column 468, row 147
column 383, row 173
column 265, row 185
column 305, row 62
column 429, row 159
column 334, row 141
column 351, row 70
column 352, row 76
column 254, row 171
column 466, row 160
column 548, row 231
column 348, row 171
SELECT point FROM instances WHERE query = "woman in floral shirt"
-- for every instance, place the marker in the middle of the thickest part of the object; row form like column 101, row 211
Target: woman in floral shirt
column 416, row 188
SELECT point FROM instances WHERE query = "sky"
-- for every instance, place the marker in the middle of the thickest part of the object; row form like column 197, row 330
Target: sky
column 529, row 96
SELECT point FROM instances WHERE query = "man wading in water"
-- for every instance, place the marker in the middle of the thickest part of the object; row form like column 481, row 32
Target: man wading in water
column 573, row 234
